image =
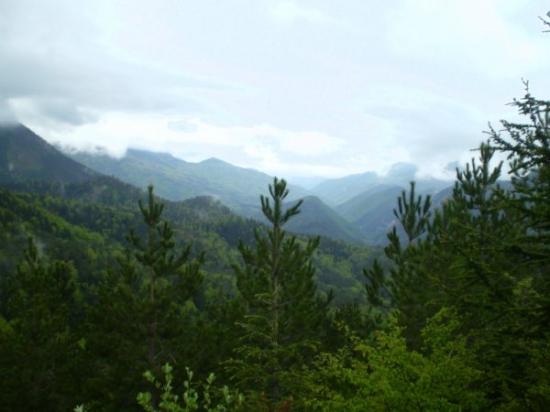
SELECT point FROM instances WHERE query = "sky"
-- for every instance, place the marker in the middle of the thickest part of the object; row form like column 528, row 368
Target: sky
column 293, row 88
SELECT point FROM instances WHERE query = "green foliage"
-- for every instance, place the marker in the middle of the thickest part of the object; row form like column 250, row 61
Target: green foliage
column 138, row 319
column 484, row 254
column 194, row 397
column 382, row 374
column 283, row 312
column 38, row 333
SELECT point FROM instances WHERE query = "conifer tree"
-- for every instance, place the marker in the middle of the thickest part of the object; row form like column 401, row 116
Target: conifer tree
column 40, row 354
column 527, row 146
column 138, row 320
column 284, row 314
column 403, row 287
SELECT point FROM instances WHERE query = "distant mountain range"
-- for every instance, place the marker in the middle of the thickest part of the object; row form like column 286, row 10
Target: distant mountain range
column 338, row 191
column 175, row 179
column 356, row 208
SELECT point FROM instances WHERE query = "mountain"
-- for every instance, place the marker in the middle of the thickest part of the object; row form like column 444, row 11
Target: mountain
column 371, row 199
column 316, row 218
column 24, row 156
column 236, row 187
column 84, row 216
column 175, row 179
column 338, row 191
column 371, row 212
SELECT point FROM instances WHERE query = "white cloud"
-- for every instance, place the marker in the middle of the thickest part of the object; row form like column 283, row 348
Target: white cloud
column 466, row 35
column 301, row 86
column 291, row 12
column 265, row 147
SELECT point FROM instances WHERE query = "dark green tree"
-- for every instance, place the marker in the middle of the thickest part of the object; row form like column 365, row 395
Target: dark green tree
column 404, row 286
column 138, row 320
column 40, row 350
column 284, row 314
column 527, row 146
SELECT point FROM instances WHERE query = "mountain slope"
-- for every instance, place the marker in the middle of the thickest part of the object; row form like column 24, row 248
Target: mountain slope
column 176, row 179
column 316, row 218
column 376, row 197
column 25, row 156
column 372, row 212
column 338, row 191
column 87, row 222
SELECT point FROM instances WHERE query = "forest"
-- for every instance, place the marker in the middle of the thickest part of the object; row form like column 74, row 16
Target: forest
column 113, row 299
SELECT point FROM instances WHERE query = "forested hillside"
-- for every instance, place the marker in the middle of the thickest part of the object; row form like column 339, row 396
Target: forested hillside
column 176, row 179
column 102, row 282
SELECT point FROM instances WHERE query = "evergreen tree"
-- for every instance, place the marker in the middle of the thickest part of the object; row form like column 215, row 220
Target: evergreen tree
column 467, row 259
column 527, row 146
column 40, row 350
column 404, row 286
column 138, row 320
column 284, row 314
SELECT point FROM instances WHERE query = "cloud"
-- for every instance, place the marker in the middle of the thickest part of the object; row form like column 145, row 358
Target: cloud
column 468, row 34
column 263, row 146
column 6, row 113
column 59, row 64
column 51, row 110
column 291, row 12
column 308, row 87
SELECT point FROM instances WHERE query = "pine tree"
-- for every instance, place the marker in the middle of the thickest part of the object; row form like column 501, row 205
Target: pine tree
column 404, row 286
column 138, row 321
column 527, row 146
column 284, row 314
column 40, row 353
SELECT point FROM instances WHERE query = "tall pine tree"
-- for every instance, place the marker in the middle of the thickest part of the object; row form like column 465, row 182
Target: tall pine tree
column 284, row 314
column 137, row 322
column 40, row 348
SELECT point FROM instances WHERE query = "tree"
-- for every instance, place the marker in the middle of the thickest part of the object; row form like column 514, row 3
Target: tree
column 527, row 146
column 404, row 286
column 138, row 320
column 40, row 349
column 382, row 374
column 284, row 314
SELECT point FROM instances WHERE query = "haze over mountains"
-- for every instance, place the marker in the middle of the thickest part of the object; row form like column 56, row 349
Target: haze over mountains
column 356, row 208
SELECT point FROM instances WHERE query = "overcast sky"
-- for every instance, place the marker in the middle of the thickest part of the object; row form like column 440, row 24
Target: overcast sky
column 293, row 88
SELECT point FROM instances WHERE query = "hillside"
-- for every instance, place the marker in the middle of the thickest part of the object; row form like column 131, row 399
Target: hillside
column 335, row 192
column 85, row 216
column 371, row 212
column 236, row 187
column 25, row 156
column 317, row 218
column 369, row 200
column 175, row 179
